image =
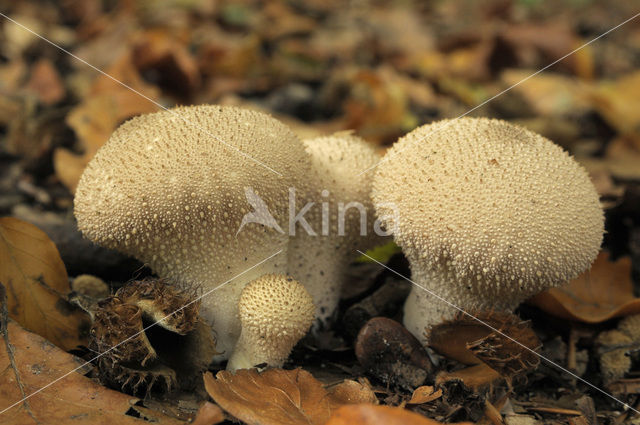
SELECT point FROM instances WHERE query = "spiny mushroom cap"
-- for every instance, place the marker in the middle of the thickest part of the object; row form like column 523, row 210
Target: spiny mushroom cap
column 320, row 261
column 275, row 311
column 488, row 207
column 169, row 189
column 336, row 162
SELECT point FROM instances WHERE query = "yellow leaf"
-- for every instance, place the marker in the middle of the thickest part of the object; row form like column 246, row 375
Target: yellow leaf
column 36, row 283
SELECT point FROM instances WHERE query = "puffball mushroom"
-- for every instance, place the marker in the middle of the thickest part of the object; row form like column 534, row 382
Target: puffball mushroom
column 275, row 311
column 168, row 188
column 342, row 217
column 487, row 213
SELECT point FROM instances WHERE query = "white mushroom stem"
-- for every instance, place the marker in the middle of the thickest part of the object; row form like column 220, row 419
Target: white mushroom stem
column 275, row 312
column 342, row 218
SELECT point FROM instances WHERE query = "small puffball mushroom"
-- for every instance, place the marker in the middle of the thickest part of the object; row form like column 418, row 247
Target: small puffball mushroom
column 342, row 217
column 487, row 213
column 275, row 312
column 168, row 188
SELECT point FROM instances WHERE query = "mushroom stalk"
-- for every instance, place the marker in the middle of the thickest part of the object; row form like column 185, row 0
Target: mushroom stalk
column 342, row 218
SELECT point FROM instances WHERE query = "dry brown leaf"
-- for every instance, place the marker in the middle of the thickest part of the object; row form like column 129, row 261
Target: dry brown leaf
column 158, row 50
column 604, row 292
column 208, row 414
column 351, row 392
column 424, row 394
column 274, row 397
column 548, row 94
column 32, row 363
column 36, row 282
column 619, row 102
column 366, row 414
column 99, row 115
column 474, row 377
column 281, row 397
column 45, row 82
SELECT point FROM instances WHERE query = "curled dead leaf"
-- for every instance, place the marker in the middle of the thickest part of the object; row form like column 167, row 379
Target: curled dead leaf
column 474, row 378
column 99, row 115
column 364, row 414
column 600, row 294
column 424, row 394
column 274, row 397
column 208, row 414
column 281, row 397
column 37, row 284
column 351, row 392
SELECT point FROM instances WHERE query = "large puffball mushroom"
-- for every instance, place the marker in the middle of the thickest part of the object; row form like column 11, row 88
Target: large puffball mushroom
column 275, row 312
column 341, row 218
column 487, row 213
column 171, row 189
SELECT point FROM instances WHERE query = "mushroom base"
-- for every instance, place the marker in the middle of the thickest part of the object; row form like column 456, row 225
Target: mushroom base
column 433, row 301
column 220, row 307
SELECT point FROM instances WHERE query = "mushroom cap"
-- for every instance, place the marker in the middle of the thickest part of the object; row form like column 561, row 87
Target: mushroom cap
column 336, row 163
column 496, row 209
column 275, row 311
column 169, row 189
column 320, row 261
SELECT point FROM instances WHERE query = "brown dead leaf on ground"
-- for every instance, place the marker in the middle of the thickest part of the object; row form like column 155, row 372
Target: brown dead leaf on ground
column 28, row 363
column 279, row 397
column 619, row 102
column 36, row 283
column 424, row 394
column 600, row 294
column 365, row 414
column 93, row 120
column 475, row 378
column 177, row 69
column 548, row 94
column 208, row 414
column 351, row 392
column 46, row 83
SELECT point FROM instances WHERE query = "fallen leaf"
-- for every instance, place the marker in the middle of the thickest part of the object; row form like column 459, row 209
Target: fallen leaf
column 351, row 392
column 99, row 115
column 365, row 414
column 29, row 363
column 45, row 82
column 600, row 294
column 281, row 397
column 424, row 394
column 156, row 50
column 208, row 414
column 36, row 282
column 475, row 377
column 619, row 102
column 548, row 94
column 274, row 397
